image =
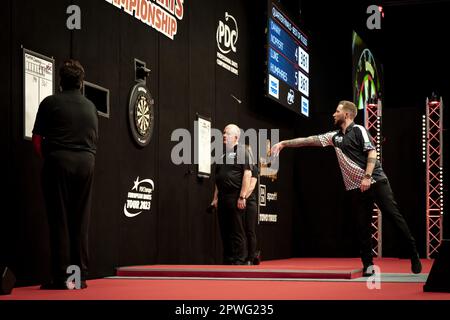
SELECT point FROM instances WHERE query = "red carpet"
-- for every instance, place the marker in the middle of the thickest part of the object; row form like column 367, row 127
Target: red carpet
column 223, row 289
column 119, row 289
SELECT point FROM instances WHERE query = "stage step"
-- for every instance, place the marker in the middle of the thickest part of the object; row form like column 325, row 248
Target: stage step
column 259, row 272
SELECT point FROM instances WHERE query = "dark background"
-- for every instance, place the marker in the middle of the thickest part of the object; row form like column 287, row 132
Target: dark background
column 314, row 217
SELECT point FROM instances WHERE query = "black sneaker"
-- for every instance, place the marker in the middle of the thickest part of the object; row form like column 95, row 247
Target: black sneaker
column 416, row 265
column 368, row 270
column 257, row 259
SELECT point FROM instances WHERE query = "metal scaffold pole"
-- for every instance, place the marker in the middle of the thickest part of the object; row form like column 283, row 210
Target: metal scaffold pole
column 373, row 121
column 433, row 157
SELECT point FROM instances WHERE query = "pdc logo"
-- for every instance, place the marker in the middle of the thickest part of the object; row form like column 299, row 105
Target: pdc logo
column 227, row 34
column 291, row 97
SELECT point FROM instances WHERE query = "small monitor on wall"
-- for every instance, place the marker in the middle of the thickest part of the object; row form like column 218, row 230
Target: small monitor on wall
column 99, row 97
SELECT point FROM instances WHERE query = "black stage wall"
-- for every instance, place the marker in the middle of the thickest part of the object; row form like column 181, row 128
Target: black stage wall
column 185, row 80
column 42, row 31
column 325, row 226
column 5, row 143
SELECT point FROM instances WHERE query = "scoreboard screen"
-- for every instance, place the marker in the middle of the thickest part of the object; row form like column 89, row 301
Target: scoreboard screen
column 287, row 62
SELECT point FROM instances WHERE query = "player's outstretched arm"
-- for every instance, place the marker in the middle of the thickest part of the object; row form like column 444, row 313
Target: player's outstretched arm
column 312, row 141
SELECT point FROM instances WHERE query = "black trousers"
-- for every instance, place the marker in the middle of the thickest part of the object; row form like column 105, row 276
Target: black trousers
column 67, row 186
column 231, row 223
column 250, row 222
column 363, row 204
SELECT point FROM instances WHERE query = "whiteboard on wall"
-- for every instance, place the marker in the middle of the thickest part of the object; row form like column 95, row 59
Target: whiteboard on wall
column 38, row 83
column 204, row 147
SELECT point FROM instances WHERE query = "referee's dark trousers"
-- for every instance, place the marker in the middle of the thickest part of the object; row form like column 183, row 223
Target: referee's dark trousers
column 67, row 184
column 231, row 222
column 250, row 222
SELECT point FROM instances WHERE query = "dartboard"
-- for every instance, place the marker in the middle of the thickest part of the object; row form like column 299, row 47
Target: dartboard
column 141, row 114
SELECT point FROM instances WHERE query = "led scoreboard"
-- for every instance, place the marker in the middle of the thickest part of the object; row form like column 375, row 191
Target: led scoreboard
column 287, row 62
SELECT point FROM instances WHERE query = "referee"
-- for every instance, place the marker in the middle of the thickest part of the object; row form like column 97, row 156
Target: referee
column 232, row 177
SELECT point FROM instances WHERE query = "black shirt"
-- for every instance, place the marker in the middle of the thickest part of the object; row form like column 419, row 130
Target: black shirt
column 229, row 173
column 255, row 174
column 351, row 149
column 67, row 121
column 252, row 196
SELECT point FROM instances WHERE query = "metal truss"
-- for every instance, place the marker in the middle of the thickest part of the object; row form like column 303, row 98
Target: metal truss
column 433, row 146
column 372, row 122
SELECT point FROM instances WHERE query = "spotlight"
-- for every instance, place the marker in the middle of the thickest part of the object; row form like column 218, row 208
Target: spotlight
column 434, row 99
column 372, row 102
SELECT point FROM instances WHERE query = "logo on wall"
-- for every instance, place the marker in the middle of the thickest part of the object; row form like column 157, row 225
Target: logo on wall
column 305, row 106
column 274, row 86
column 139, row 199
column 159, row 15
column 268, row 200
column 262, row 195
column 291, row 97
column 272, row 196
column 227, row 35
column 141, row 114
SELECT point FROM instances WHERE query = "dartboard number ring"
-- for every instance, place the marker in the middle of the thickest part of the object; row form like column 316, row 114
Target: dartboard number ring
column 141, row 114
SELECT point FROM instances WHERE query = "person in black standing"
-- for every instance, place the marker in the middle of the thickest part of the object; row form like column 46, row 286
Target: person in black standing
column 65, row 135
column 232, row 178
column 251, row 214
column 364, row 179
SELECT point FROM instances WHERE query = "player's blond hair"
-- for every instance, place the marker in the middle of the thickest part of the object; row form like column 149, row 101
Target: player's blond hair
column 349, row 107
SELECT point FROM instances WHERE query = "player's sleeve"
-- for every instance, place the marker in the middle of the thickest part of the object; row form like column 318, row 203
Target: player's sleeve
column 365, row 139
column 326, row 139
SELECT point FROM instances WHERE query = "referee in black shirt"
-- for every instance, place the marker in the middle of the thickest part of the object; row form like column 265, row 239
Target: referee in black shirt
column 364, row 179
column 232, row 178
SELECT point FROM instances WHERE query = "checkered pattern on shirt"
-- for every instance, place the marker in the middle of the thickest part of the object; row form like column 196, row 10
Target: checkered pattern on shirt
column 351, row 172
column 326, row 139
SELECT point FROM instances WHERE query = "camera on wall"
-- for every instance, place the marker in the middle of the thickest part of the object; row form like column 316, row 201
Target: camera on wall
column 141, row 71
